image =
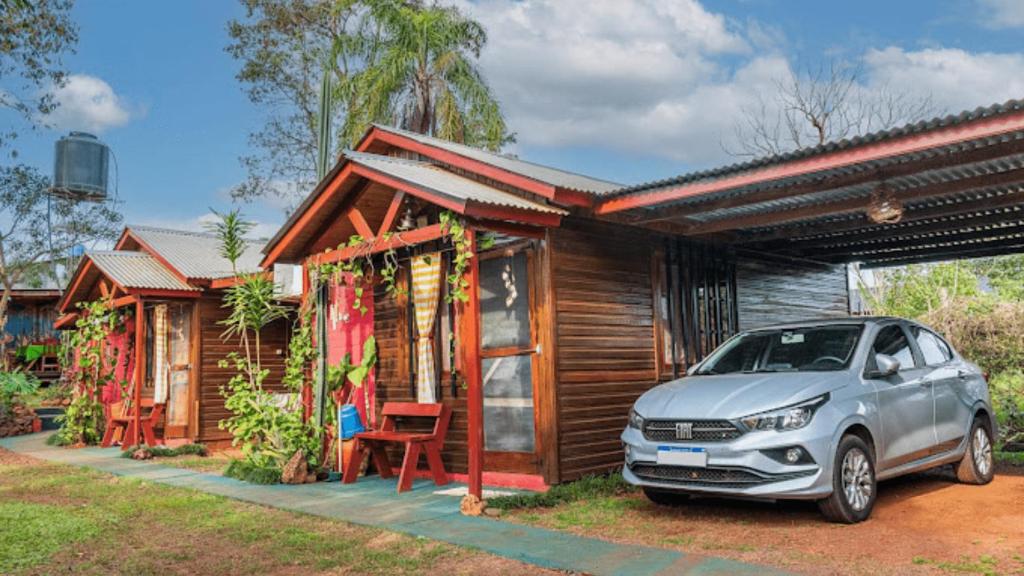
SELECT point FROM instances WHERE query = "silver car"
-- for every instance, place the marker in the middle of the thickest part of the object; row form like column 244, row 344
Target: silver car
column 817, row 411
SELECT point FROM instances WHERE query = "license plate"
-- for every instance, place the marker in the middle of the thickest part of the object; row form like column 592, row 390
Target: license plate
column 683, row 456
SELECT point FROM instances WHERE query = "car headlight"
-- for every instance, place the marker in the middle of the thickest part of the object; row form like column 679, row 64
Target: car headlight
column 635, row 420
column 788, row 418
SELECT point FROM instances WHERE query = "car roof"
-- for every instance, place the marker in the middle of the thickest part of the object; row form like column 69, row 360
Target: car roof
column 844, row 321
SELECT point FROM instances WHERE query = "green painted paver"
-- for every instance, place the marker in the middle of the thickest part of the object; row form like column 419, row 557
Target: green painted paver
column 373, row 502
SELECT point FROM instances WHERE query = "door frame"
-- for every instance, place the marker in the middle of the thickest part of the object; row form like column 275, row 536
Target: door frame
column 521, row 462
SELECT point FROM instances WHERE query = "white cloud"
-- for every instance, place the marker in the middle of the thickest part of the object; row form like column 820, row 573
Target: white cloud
column 671, row 78
column 955, row 79
column 1001, row 13
column 87, row 103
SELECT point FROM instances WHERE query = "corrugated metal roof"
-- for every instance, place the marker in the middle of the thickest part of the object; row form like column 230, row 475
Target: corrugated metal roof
column 440, row 181
column 196, row 254
column 137, row 270
column 909, row 129
column 546, row 174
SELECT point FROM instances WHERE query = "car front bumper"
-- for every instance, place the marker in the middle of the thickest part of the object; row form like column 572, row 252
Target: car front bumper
column 738, row 468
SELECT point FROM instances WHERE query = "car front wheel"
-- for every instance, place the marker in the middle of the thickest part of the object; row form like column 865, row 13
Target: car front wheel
column 853, row 483
column 977, row 466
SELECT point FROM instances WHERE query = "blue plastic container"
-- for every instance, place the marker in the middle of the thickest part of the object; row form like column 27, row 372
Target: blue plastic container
column 350, row 422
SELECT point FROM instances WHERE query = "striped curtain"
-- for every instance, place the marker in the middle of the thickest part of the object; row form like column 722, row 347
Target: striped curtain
column 160, row 366
column 426, row 290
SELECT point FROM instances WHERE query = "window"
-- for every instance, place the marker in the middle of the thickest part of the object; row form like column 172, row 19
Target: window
column 934, row 350
column 812, row 349
column 892, row 340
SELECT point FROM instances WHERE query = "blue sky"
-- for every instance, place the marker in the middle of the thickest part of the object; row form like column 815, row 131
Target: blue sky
column 625, row 91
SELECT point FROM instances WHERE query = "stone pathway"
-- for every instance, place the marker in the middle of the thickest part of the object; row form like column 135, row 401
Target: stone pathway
column 420, row 512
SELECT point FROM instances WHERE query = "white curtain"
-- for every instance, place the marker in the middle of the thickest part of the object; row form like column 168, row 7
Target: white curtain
column 426, row 290
column 160, row 366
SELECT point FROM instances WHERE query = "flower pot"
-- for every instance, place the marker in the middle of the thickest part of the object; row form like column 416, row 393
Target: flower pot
column 37, row 425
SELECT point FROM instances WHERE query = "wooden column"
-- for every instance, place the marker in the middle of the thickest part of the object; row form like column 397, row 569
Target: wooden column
column 140, row 371
column 469, row 342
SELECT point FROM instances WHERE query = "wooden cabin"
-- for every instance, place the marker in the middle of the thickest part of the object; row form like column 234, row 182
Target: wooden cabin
column 28, row 338
column 569, row 317
column 170, row 284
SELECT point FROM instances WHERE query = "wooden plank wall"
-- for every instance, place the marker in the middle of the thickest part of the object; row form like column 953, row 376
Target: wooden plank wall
column 605, row 339
column 774, row 290
column 274, row 349
column 390, row 326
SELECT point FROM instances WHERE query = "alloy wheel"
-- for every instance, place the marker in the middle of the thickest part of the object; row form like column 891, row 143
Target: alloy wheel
column 982, row 451
column 858, row 483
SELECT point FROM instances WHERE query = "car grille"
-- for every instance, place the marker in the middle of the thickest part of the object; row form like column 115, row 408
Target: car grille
column 710, row 477
column 702, row 430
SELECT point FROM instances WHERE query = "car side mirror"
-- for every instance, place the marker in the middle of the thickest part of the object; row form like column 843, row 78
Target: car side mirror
column 887, row 366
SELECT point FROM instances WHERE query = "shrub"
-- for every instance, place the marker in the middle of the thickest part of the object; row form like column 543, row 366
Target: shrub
column 252, row 473
column 14, row 387
column 165, row 452
column 585, row 488
column 1007, row 391
column 984, row 331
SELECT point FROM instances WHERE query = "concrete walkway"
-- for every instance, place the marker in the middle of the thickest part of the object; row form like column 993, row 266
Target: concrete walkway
column 420, row 512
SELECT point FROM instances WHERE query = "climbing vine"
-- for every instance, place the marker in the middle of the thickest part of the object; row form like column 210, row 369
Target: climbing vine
column 455, row 230
column 93, row 368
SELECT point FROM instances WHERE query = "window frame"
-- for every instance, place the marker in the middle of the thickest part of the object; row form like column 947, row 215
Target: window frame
column 950, row 356
column 869, row 361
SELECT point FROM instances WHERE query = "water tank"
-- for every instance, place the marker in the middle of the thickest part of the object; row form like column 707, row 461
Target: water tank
column 80, row 167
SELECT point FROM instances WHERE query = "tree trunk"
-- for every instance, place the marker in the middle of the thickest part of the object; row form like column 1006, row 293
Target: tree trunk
column 5, row 301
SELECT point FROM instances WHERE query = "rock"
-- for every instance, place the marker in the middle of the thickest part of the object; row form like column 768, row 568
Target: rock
column 492, row 511
column 472, row 506
column 296, row 470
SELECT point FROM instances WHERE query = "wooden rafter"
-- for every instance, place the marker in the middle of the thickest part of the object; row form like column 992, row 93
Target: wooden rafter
column 392, row 213
column 1013, row 233
column 856, row 204
column 417, row 236
column 991, row 199
column 359, row 221
column 975, row 250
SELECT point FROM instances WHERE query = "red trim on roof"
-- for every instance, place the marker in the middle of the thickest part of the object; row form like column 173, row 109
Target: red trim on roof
column 65, row 321
column 397, row 240
column 448, row 157
column 891, row 147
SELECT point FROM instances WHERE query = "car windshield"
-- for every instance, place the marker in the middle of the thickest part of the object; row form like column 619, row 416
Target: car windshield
column 812, row 349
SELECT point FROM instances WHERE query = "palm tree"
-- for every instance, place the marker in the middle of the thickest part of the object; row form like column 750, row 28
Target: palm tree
column 421, row 75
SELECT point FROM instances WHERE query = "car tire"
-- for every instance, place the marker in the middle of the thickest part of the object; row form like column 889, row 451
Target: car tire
column 854, row 485
column 665, row 498
column 977, row 465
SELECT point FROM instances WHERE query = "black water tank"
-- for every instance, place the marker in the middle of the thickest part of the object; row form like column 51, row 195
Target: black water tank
column 80, row 167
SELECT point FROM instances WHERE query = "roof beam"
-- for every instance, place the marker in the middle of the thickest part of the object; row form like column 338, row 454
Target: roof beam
column 888, row 148
column 967, row 240
column 856, row 204
column 910, row 229
column 357, row 219
column 392, row 213
column 398, row 240
column 999, row 198
column 1014, row 246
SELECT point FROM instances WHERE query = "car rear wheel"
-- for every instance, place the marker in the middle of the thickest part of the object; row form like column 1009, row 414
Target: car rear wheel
column 853, row 483
column 665, row 498
column 977, row 466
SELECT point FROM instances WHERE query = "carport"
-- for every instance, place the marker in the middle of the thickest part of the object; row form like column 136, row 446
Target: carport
column 942, row 189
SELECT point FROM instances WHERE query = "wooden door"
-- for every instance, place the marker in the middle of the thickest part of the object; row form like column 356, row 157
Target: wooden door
column 509, row 361
column 179, row 360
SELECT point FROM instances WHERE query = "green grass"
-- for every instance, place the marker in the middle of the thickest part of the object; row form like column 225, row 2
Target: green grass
column 60, row 519
column 984, row 565
column 165, row 452
column 587, row 488
column 1011, row 458
column 242, row 470
column 31, row 533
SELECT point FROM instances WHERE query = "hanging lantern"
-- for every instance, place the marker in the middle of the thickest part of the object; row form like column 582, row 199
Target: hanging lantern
column 884, row 207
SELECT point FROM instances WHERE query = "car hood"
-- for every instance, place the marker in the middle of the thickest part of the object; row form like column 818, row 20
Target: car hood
column 730, row 396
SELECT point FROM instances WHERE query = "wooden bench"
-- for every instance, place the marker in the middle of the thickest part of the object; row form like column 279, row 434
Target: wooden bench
column 415, row 442
column 123, row 425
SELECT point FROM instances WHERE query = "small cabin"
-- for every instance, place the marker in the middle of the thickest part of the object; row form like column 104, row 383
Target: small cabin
column 170, row 285
column 567, row 317
column 29, row 339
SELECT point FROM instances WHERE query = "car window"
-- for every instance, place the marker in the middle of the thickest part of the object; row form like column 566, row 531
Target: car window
column 892, row 340
column 811, row 349
column 932, row 347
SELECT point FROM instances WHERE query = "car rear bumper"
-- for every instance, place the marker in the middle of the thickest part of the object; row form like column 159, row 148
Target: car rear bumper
column 743, row 467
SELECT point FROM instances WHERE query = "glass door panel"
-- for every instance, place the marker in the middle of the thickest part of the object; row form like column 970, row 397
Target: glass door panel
column 508, row 347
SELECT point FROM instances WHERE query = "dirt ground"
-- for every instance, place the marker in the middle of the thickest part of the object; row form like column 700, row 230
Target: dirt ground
column 922, row 524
